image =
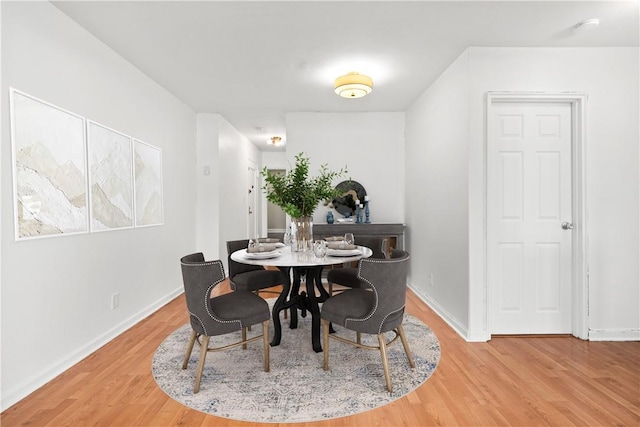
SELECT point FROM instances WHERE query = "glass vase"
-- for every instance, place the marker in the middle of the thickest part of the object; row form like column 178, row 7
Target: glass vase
column 302, row 234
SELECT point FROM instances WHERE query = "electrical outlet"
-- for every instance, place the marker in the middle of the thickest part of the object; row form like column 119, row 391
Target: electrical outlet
column 431, row 279
column 115, row 300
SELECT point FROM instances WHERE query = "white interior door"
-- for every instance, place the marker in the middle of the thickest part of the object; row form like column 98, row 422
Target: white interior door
column 529, row 254
column 252, row 201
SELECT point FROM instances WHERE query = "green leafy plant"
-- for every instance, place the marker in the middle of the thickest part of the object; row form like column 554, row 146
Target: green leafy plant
column 296, row 193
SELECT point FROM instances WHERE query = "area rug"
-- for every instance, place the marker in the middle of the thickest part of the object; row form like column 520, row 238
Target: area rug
column 235, row 386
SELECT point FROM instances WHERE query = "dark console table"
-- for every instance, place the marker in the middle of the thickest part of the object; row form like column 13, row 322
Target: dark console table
column 393, row 232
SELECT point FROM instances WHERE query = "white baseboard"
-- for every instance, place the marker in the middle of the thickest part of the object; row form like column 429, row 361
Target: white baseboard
column 614, row 335
column 440, row 311
column 484, row 336
column 11, row 397
column 478, row 335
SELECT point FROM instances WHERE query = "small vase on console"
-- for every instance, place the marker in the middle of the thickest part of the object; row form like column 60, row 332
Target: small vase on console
column 330, row 218
column 366, row 212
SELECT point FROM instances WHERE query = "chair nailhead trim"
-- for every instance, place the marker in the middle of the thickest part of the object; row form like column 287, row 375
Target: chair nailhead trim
column 207, row 295
column 377, row 261
column 385, row 318
column 200, row 321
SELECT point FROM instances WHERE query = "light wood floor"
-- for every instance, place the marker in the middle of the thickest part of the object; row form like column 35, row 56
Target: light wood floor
column 515, row 381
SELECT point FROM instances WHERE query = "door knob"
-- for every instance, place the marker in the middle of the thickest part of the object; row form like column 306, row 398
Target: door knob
column 567, row 226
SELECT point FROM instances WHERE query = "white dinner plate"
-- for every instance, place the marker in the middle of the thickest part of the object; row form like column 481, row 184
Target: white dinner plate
column 262, row 255
column 343, row 252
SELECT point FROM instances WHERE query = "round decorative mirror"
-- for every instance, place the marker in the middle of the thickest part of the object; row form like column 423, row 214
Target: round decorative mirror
column 346, row 203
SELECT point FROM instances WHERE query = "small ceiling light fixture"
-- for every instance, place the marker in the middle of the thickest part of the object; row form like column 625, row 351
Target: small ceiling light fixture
column 584, row 26
column 353, row 85
column 276, row 140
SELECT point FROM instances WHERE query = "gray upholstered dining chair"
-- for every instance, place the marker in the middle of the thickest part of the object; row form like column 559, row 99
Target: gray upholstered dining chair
column 220, row 315
column 375, row 310
column 348, row 276
column 245, row 277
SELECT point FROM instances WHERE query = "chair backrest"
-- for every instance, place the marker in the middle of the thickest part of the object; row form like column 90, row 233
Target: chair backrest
column 388, row 280
column 237, row 267
column 377, row 244
column 199, row 278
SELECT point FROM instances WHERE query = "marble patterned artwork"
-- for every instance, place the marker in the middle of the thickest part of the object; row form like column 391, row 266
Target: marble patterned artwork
column 110, row 178
column 148, row 184
column 49, row 166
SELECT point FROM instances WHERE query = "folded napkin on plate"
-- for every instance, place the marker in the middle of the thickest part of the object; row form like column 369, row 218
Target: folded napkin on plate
column 268, row 240
column 262, row 247
column 334, row 238
column 340, row 245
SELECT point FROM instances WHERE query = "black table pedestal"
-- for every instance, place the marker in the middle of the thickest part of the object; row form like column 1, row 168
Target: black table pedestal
column 292, row 299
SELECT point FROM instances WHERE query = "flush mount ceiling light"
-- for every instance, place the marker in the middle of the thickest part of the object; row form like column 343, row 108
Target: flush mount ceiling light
column 584, row 26
column 276, row 140
column 353, row 85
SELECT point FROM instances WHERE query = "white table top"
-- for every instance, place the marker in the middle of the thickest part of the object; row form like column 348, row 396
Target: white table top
column 287, row 258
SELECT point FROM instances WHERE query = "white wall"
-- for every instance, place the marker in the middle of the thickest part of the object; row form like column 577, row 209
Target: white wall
column 208, row 187
column 610, row 78
column 371, row 145
column 437, row 146
column 235, row 154
column 222, row 196
column 276, row 160
column 56, row 291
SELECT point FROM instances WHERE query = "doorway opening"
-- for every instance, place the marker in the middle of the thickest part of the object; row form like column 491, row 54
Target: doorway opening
column 252, row 200
column 276, row 218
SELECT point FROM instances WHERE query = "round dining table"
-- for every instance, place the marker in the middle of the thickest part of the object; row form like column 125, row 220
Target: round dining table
column 301, row 264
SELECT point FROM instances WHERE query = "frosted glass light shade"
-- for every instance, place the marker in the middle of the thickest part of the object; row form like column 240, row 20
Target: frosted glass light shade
column 353, row 85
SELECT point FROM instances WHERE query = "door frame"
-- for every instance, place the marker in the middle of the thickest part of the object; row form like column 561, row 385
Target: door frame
column 252, row 190
column 580, row 270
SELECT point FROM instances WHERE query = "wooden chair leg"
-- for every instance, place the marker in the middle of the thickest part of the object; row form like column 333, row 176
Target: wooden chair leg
column 203, row 356
column 267, row 346
column 325, row 343
column 358, row 338
column 330, row 289
column 192, row 341
column 405, row 344
column 385, row 362
column 244, row 337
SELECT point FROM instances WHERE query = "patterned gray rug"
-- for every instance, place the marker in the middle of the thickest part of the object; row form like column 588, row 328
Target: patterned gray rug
column 234, row 384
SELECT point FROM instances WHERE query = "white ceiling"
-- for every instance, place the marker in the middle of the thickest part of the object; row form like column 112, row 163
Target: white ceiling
column 253, row 62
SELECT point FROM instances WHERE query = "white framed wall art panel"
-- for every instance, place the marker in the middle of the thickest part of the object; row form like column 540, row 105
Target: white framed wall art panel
column 49, row 168
column 110, row 161
column 148, row 184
